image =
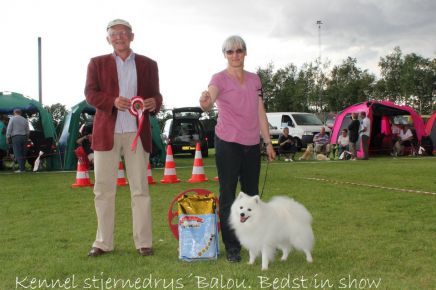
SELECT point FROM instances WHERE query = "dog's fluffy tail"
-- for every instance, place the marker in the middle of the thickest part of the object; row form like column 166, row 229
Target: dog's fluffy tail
column 293, row 208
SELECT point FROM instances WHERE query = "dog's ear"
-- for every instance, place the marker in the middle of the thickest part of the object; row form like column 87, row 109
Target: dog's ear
column 241, row 195
column 256, row 199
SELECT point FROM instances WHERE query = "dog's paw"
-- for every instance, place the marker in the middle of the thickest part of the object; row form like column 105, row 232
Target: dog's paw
column 309, row 259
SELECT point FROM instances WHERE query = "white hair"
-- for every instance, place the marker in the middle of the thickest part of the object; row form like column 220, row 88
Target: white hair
column 234, row 42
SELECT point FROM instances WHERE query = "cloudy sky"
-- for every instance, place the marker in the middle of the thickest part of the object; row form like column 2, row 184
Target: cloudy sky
column 185, row 38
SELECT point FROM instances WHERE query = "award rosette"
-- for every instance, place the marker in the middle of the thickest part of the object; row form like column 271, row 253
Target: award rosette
column 137, row 110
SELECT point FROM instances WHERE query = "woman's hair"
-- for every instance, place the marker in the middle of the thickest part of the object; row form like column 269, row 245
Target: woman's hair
column 234, row 42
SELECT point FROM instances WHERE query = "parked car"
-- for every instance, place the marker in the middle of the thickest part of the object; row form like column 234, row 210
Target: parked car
column 185, row 130
column 302, row 126
column 274, row 135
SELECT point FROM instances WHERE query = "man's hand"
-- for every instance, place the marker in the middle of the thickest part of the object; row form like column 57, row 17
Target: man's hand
column 122, row 103
column 150, row 104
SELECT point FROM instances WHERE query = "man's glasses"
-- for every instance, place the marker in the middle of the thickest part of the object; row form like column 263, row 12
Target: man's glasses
column 122, row 34
column 238, row 51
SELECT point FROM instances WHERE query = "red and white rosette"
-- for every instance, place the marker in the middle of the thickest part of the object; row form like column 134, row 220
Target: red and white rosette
column 137, row 110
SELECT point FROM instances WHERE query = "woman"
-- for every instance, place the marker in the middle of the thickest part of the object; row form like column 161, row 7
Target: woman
column 343, row 143
column 241, row 116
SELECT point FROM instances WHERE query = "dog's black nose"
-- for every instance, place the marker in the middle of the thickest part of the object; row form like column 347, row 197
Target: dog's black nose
column 242, row 214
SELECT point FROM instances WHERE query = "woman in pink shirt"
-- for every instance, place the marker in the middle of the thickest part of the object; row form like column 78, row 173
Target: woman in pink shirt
column 241, row 116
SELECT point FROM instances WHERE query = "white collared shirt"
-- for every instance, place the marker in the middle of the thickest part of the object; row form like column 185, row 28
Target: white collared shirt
column 128, row 86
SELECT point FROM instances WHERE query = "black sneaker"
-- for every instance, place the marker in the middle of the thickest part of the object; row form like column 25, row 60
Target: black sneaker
column 233, row 256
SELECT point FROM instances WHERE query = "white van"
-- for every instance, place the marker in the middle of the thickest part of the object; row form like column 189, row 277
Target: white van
column 302, row 126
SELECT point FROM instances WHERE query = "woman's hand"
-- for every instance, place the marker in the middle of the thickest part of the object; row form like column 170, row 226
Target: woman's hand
column 205, row 100
column 270, row 152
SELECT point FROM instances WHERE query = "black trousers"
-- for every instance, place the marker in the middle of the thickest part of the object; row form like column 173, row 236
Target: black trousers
column 235, row 162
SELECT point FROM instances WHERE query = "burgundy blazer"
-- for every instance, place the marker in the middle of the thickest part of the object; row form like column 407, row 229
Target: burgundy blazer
column 102, row 89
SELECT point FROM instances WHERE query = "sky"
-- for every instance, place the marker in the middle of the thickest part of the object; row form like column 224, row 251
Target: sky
column 185, row 37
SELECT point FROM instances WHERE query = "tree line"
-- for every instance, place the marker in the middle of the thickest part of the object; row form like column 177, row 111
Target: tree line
column 404, row 79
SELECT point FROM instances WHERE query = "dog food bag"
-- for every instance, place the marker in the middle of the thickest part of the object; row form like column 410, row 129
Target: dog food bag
column 198, row 230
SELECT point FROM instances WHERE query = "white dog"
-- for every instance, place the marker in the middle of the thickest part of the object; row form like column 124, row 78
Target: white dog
column 281, row 223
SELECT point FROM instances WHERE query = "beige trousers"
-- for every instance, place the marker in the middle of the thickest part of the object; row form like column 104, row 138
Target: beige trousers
column 106, row 174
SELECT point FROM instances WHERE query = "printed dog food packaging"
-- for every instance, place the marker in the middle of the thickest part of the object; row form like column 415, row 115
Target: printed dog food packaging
column 198, row 228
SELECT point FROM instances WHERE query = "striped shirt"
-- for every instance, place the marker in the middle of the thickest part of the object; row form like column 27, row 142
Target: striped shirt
column 127, row 81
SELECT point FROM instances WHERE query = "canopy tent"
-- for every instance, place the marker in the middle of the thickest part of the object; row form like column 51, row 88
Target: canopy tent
column 44, row 121
column 83, row 113
column 379, row 113
column 430, row 129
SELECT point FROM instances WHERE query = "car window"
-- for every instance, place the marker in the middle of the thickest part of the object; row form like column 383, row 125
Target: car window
column 307, row 119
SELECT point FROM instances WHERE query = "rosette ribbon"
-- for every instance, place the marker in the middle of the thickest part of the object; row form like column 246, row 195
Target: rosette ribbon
column 137, row 110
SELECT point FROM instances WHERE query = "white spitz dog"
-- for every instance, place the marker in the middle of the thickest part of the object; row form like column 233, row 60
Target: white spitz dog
column 281, row 223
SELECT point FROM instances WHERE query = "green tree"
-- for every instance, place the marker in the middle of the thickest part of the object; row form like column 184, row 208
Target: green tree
column 266, row 78
column 348, row 85
column 417, row 80
column 58, row 112
column 390, row 68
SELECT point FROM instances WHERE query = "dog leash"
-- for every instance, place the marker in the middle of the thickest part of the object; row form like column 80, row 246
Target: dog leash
column 264, row 180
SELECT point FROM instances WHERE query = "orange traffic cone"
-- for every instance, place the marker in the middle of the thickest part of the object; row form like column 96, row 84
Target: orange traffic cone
column 121, row 180
column 170, row 168
column 149, row 176
column 82, row 175
column 198, row 169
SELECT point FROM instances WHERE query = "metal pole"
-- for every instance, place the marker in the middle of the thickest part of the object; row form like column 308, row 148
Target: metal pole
column 319, row 23
column 39, row 70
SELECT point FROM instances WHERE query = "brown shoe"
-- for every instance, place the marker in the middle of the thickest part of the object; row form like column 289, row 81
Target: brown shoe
column 95, row 252
column 145, row 251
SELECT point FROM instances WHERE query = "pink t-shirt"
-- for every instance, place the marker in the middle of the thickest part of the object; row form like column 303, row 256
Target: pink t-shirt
column 238, row 108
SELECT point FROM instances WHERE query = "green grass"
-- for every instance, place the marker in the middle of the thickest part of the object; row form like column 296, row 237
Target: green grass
column 381, row 234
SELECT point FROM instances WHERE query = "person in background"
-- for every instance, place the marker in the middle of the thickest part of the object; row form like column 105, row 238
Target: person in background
column 84, row 151
column 241, row 116
column 343, row 142
column 112, row 81
column 365, row 133
column 287, row 146
column 353, row 134
column 3, row 144
column 405, row 138
column 17, row 134
column 395, row 130
column 322, row 142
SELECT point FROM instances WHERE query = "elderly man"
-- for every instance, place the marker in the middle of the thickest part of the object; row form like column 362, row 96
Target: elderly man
column 322, row 142
column 112, row 81
column 17, row 133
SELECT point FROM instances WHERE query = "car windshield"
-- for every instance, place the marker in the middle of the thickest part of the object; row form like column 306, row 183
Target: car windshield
column 307, row 119
column 187, row 115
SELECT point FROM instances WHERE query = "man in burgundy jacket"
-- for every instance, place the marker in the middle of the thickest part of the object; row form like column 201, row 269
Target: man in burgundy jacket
column 112, row 81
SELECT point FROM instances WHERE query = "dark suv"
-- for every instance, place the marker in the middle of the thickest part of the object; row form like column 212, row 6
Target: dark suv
column 185, row 130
